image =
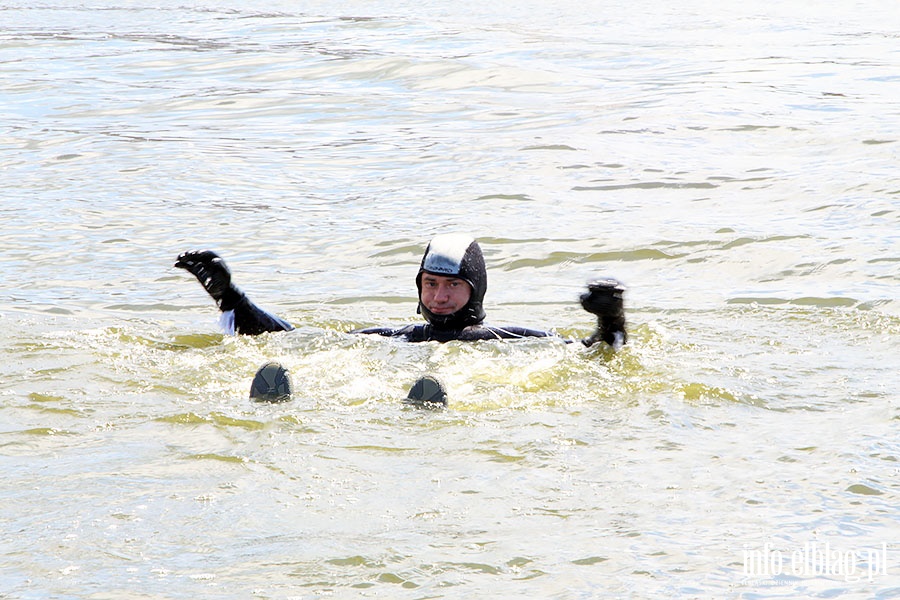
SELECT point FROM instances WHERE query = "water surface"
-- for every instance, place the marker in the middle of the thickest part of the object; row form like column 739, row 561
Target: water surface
column 734, row 165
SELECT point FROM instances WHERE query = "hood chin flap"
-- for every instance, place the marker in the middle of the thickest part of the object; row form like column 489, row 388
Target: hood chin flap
column 470, row 314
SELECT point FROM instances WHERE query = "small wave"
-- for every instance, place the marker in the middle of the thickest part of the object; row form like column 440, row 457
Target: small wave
column 701, row 392
column 213, row 418
column 562, row 258
column 824, row 302
column 646, row 185
column 864, row 490
column 217, row 457
column 46, row 431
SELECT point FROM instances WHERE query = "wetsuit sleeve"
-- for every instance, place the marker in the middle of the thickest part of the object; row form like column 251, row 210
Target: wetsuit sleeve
column 492, row 332
column 249, row 319
column 385, row 331
column 613, row 335
column 240, row 315
column 410, row 333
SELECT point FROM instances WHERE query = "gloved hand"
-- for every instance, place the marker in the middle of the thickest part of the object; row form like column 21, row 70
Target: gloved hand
column 213, row 274
column 604, row 298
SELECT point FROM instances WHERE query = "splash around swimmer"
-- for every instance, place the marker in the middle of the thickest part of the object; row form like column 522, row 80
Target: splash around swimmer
column 451, row 283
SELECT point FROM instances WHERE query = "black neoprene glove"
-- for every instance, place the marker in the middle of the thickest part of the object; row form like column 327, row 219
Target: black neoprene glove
column 604, row 299
column 213, row 274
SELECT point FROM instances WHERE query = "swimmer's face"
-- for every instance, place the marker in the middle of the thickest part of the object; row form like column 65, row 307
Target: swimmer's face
column 444, row 295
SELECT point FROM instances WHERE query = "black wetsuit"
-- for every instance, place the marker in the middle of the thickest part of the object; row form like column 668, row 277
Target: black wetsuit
column 427, row 332
column 453, row 256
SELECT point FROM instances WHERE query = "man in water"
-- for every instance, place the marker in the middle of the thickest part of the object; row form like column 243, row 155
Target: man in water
column 452, row 281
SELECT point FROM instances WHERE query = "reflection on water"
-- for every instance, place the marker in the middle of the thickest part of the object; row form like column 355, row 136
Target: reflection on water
column 734, row 165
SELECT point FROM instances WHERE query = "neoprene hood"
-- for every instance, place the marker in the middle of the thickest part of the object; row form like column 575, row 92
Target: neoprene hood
column 455, row 255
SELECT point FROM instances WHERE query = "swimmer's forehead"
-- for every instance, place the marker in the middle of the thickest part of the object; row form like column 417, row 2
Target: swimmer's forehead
column 426, row 276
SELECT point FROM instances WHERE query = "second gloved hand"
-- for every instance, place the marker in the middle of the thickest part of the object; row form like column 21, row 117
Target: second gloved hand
column 604, row 298
column 213, row 274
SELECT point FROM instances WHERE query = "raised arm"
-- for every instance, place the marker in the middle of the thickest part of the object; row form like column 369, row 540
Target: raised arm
column 215, row 277
column 604, row 299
